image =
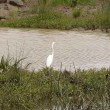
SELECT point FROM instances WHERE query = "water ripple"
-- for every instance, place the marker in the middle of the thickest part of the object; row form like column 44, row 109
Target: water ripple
column 85, row 49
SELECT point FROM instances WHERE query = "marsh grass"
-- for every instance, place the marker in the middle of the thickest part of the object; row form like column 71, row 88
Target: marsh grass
column 46, row 88
column 42, row 15
column 76, row 12
column 65, row 2
column 87, row 2
column 54, row 20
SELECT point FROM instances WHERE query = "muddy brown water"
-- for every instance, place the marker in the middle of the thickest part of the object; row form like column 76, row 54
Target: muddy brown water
column 86, row 49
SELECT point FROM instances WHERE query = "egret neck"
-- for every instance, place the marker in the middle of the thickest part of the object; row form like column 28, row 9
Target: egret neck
column 52, row 49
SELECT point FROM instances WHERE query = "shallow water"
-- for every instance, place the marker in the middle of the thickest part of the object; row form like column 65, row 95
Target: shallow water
column 85, row 49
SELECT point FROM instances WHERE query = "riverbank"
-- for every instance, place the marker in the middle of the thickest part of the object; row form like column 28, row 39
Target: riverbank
column 50, row 20
column 47, row 88
column 87, row 15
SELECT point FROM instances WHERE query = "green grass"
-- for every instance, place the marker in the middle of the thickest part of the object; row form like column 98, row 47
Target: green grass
column 70, row 2
column 60, row 2
column 53, row 20
column 40, row 16
column 21, row 89
column 76, row 13
column 87, row 2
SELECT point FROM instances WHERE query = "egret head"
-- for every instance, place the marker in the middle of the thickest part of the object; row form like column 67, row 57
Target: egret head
column 53, row 43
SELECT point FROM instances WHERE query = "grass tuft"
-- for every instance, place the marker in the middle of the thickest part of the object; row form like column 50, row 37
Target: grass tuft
column 21, row 89
column 76, row 13
column 43, row 15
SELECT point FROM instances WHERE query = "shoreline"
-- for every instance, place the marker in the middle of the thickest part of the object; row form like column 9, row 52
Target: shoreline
column 53, row 20
column 85, row 15
column 74, row 29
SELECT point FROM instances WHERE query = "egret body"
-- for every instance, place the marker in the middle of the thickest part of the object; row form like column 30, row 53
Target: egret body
column 50, row 57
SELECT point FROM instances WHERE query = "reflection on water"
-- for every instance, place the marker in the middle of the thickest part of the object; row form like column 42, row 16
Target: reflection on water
column 85, row 49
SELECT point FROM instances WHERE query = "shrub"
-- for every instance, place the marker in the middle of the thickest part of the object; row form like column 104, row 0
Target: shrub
column 76, row 12
column 74, row 3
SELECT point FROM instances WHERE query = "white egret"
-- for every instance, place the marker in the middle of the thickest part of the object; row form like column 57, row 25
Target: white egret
column 50, row 57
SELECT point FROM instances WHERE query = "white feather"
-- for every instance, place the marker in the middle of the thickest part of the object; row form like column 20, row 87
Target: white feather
column 50, row 57
column 49, row 60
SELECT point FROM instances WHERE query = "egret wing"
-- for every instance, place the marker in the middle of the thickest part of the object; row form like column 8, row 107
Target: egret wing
column 49, row 60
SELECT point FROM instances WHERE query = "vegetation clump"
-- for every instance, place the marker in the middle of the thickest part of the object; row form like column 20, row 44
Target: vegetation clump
column 76, row 13
column 21, row 89
column 61, row 14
